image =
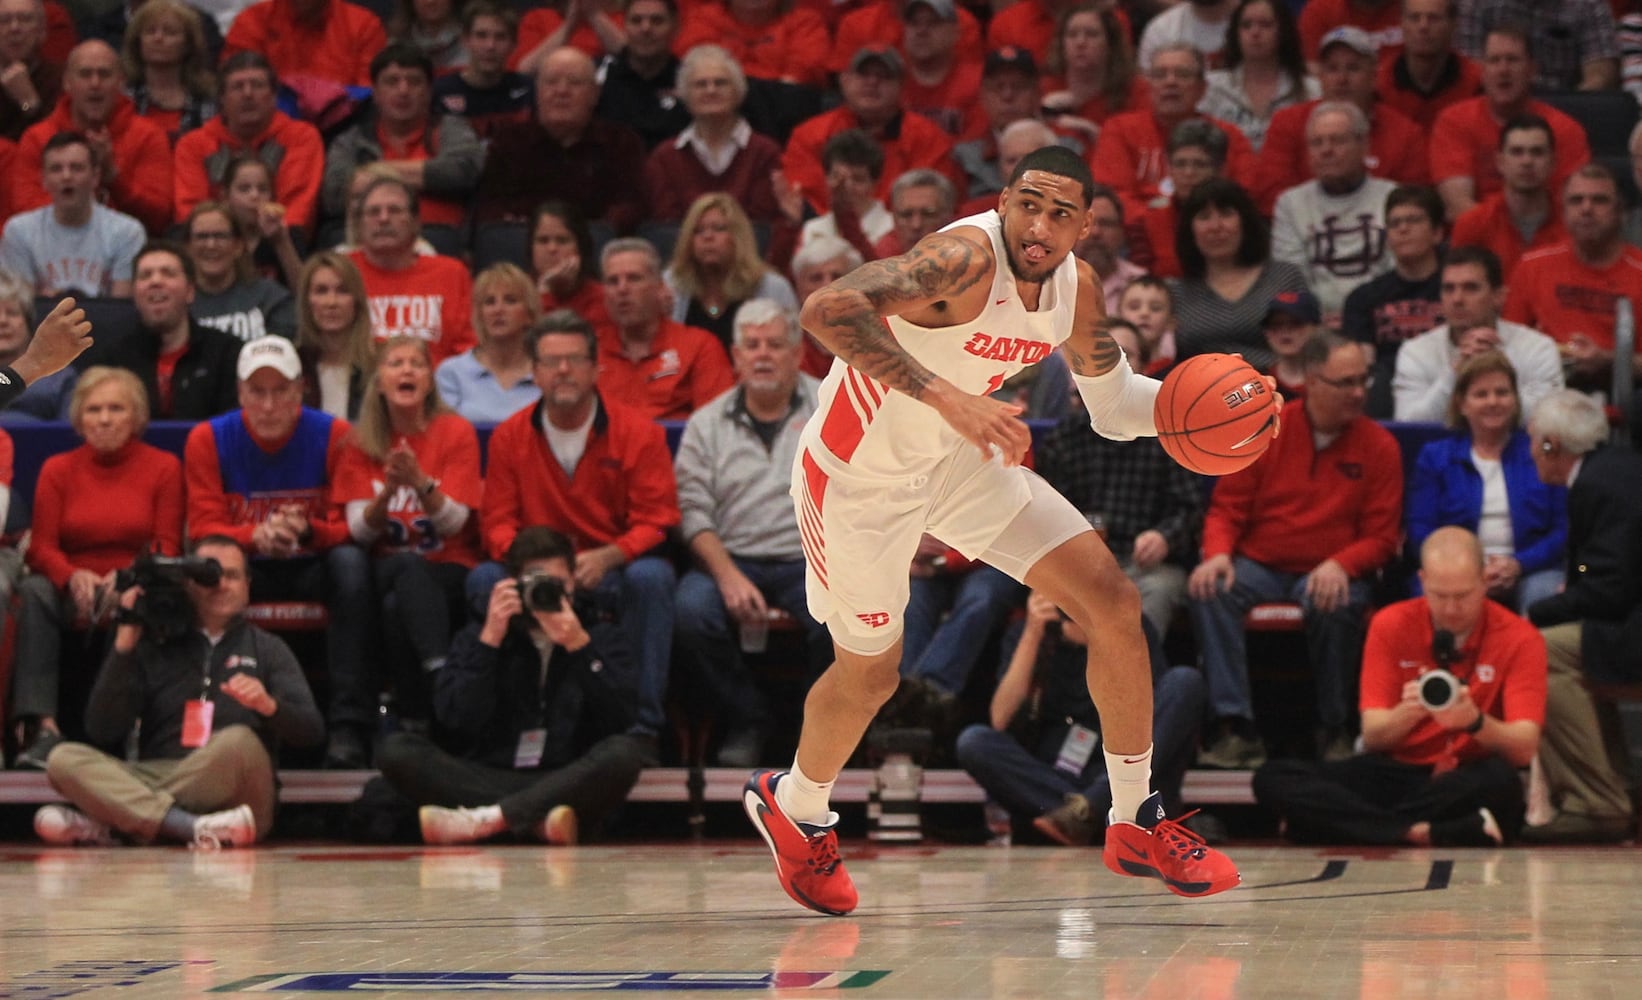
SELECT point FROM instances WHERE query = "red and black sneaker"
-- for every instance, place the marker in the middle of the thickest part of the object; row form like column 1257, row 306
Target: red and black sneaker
column 1153, row 846
column 806, row 854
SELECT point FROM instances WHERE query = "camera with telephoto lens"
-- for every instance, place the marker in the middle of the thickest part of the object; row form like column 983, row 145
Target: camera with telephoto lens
column 541, row 592
column 165, row 610
column 1439, row 688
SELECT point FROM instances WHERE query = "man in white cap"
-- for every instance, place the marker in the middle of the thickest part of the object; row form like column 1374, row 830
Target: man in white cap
column 261, row 475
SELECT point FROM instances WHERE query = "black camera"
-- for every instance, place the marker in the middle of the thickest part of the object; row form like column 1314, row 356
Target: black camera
column 541, row 592
column 1439, row 688
column 164, row 610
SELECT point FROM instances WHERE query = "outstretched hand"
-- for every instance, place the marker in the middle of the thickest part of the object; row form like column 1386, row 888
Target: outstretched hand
column 987, row 423
column 63, row 335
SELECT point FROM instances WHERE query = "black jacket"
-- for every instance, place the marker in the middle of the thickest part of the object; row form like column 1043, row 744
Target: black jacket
column 486, row 697
column 1604, row 576
column 205, row 381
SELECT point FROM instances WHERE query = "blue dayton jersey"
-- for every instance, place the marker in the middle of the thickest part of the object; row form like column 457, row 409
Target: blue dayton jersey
column 257, row 482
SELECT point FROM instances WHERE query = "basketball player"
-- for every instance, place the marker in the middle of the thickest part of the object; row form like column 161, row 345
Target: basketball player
column 906, row 440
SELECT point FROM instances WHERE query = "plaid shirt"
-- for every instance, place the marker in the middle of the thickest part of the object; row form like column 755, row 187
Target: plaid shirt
column 1133, row 485
column 1562, row 36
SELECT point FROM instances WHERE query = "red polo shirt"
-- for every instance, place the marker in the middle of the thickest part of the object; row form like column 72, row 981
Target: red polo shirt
column 685, row 367
column 1466, row 137
column 1554, row 292
column 1489, row 225
column 1461, row 79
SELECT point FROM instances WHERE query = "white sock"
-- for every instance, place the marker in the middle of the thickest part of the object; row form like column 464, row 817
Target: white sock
column 802, row 798
column 490, row 819
column 1131, row 778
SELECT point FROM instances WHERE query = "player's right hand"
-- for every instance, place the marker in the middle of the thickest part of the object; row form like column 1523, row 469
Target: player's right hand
column 987, row 423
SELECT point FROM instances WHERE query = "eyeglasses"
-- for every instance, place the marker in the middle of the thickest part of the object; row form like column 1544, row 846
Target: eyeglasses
column 1349, row 382
column 551, row 361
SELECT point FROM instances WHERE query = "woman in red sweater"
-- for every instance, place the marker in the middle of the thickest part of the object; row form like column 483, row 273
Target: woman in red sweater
column 409, row 482
column 95, row 509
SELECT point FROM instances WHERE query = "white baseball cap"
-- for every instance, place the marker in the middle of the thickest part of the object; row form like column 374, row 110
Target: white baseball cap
column 269, row 352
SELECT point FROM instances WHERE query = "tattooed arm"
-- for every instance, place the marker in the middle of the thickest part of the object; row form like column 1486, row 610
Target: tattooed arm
column 937, row 283
column 1090, row 350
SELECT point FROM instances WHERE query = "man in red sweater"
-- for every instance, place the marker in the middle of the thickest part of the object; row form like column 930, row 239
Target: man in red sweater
column 251, row 125
column 1523, row 215
column 1428, row 74
column 262, row 476
column 133, row 153
column 330, row 39
column 598, row 472
column 648, row 361
column 872, row 103
column 1309, row 522
column 426, row 296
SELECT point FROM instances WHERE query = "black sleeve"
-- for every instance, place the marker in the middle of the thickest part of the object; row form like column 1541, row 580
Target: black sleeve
column 116, row 699
column 464, row 690
column 607, row 672
column 296, row 720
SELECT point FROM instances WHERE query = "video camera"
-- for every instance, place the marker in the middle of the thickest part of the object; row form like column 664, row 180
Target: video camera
column 541, row 592
column 164, row 610
column 1439, row 688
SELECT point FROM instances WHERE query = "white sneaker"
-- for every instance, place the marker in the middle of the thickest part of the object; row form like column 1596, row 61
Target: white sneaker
column 461, row 825
column 235, row 827
column 559, row 827
column 68, row 827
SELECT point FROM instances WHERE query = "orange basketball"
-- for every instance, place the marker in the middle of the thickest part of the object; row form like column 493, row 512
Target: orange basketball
column 1215, row 414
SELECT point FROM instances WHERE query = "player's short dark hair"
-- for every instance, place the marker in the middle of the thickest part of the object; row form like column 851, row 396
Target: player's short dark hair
column 404, row 55
column 1222, row 193
column 1061, row 162
column 854, row 148
column 1528, row 122
column 1423, row 197
column 1480, row 256
column 171, row 247
column 535, row 543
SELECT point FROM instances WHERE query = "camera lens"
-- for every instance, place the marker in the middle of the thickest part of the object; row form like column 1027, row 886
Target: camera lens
column 1438, row 689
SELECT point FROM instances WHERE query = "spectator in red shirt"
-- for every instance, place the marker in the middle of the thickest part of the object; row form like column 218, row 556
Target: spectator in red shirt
column 921, row 202
column 1396, row 146
column 96, row 508
column 437, row 155
column 773, row 39
column 32, row 78
column 1466, row 135
column 872, row 103
column 894, row 22
column 1091, row 69
column 1445, row 776
column 1312, row 521
column 718, row 151
column 1527, row 154
column 651, row 362
column 133, row 153
column 1380, row 20
column 426, row 296
column 590, row 26
column 1569, row 290
column 1131, row 155
column 599, row 473
column 565, row 153
column 330, row 39
column 168, row 62
column 943, row 65
column 1428, row 74
column 251, row 124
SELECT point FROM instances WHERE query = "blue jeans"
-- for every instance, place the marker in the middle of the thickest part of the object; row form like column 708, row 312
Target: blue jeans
column 343, row 575
column 1334, row 642
column 707, row 637
column 641, row 596
column 944, row 652
column 1026, row 782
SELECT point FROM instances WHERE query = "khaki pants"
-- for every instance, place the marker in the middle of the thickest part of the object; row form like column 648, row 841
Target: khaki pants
column 232, row 769
column 1582, row 750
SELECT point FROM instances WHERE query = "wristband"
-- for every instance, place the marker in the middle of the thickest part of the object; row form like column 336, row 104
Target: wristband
column 1476, row 727
column 1119, row 402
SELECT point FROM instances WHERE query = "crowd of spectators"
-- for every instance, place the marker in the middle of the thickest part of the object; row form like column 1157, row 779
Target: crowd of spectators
column 346, row 246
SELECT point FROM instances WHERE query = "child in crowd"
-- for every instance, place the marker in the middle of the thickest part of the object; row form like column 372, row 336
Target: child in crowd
column 1145, row 302
column 1291, row 320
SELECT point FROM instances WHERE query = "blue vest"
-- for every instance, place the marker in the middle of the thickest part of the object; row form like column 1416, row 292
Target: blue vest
column 256, row 481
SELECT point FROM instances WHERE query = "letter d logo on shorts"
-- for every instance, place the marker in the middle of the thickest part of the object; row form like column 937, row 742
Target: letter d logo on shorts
column 875, row 619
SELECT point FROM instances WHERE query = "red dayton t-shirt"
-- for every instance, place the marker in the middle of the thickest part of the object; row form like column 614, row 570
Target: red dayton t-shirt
column 431, row 300
column 1556, row 294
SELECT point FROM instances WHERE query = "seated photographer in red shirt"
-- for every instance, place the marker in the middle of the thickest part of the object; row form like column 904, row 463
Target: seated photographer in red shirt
column 1453, row 701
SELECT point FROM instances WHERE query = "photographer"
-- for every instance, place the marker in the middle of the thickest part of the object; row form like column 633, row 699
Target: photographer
column 213, row 698
column 1442, row 752
column 541, row 703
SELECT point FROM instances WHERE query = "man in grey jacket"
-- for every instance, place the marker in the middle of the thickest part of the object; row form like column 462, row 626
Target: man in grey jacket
column 734, row 470
column 438, row 155
column 212, row 703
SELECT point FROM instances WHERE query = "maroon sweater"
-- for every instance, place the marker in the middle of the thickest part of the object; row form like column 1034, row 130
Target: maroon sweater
column 674, row 178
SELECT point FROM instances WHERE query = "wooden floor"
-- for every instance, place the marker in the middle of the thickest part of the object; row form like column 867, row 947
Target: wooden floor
column 710, row 921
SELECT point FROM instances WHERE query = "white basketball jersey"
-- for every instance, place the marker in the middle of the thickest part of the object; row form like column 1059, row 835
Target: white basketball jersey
column 878, row 433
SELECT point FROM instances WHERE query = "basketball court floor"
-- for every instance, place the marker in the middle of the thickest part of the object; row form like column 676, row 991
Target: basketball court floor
column 940, row 922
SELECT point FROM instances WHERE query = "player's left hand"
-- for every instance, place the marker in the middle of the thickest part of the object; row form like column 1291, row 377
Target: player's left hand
column 987, row 423
column 1328, row 586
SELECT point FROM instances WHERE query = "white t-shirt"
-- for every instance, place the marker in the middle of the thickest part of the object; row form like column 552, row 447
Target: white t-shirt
column 84, row 260
column 569, row 446
column 1494, row 526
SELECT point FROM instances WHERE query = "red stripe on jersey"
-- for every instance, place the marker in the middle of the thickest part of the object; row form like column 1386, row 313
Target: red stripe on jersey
column 842, row 429
column 855, row 383
column 872, row 388
column 809, row 517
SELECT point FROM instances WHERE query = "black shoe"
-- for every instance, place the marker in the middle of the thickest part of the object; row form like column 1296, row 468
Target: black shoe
column 33, row 757
column 346, row 750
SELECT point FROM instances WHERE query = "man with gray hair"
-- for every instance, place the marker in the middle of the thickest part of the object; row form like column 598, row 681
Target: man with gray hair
column 734, row 471
column 990, row 160
column 819, row 263
column 646, row 359
column 1332, row 227
column 1592, row 629
column 921, row 201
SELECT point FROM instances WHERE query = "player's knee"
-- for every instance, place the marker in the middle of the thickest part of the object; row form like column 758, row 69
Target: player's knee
column 1107, row 595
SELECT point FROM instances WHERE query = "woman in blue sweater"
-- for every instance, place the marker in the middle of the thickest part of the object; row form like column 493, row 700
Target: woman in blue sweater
column 1482, row 478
